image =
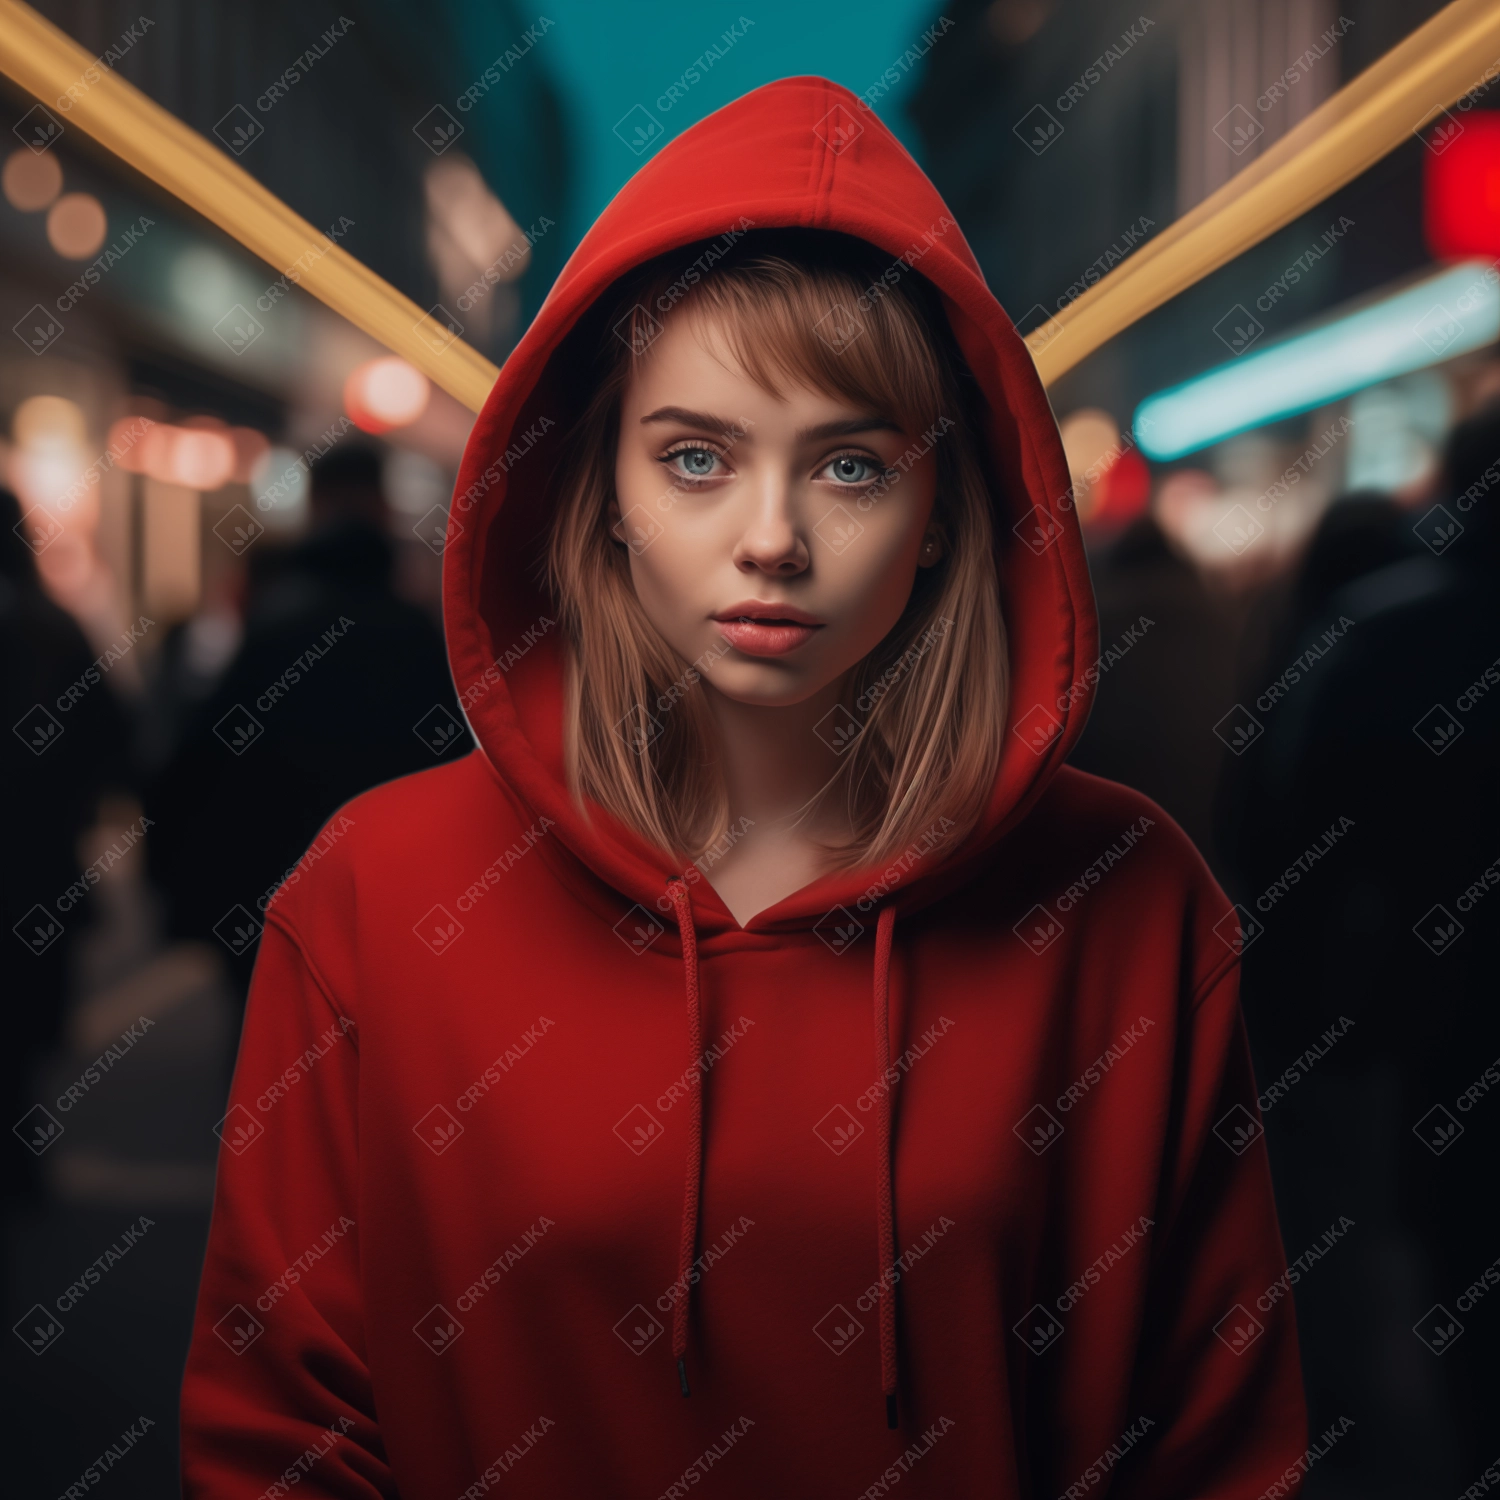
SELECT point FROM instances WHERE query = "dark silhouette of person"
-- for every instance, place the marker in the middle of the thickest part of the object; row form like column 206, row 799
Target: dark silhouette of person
column 339, row 684
column 64, row 747
column 1166, row 646
column 1363, row 834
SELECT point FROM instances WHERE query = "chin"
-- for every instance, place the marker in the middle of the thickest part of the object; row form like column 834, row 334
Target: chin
column 766, row 684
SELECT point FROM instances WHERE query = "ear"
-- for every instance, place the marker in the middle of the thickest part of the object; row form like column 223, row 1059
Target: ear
column 931, row 550
column 614, row 519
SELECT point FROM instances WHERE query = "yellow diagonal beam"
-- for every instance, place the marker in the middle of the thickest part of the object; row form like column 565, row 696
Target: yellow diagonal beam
column 46, row 62
column 1436, row 65
column 1348, row 133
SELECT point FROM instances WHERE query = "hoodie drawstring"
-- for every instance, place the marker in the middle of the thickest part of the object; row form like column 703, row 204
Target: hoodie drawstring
column 885, row 1221
column 885, row 1218
column 692, row 1187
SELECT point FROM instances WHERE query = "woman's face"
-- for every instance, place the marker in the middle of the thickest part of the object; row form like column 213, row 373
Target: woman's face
column 733, row 502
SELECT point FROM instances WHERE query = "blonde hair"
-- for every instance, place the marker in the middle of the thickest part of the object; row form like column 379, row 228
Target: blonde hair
column 930, row 701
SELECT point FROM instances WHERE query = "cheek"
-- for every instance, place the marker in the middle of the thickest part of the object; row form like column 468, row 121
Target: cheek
column 669, row 572
column 872, row 578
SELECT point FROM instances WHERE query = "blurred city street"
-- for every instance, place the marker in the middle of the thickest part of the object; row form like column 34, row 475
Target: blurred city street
column 224, row 515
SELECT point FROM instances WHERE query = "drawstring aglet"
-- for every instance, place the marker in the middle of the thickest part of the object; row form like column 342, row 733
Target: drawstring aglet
column 890, row 1410
column 682, row 1375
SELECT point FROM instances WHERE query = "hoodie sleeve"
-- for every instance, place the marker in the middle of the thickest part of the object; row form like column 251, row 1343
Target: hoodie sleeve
column 1218, row 1374
column 277, row 1391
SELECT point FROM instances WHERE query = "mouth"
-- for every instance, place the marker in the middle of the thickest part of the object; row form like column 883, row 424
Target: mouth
column 762, row 629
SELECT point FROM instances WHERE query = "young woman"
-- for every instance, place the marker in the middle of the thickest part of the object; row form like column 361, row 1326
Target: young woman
column 761, row 1063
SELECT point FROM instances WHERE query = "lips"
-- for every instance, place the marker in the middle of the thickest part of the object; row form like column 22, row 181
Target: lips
column 760, row 628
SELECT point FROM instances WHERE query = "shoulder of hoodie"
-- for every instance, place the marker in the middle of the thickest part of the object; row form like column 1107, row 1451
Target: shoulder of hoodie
column 445, row 824
column 1117, row 868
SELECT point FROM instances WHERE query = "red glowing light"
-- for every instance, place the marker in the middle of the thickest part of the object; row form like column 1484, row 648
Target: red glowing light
column 1461, row 188
column 1122, row 490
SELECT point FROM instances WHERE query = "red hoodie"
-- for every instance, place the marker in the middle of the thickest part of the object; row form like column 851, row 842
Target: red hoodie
column 543, row 1176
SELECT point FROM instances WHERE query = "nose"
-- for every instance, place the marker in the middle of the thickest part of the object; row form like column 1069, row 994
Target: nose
column 772, row 540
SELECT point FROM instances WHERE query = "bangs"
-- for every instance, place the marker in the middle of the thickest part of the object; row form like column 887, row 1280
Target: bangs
column 842, row 330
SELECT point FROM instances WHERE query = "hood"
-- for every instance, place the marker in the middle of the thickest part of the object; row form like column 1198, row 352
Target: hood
column 800, row 152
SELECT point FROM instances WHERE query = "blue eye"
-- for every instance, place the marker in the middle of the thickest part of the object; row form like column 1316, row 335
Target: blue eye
column 852, row 469
column 697, row 463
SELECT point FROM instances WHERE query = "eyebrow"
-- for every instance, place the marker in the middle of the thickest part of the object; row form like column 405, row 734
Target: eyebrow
column 844, row 427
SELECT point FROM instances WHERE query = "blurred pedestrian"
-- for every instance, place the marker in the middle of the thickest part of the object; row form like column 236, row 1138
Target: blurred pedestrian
column 338, row 685
column 65, row 749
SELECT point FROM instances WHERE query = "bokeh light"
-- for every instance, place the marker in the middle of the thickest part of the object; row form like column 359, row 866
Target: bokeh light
column 385, row 393
column 76, row 225
column 29, row 181
column 278, row 484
